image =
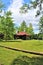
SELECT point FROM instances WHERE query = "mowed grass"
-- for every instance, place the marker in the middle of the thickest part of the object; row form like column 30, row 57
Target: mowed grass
column 7, row 56
column 33, row 45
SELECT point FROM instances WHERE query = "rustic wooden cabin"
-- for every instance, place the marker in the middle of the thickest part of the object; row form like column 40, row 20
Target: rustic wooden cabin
column 21, row 35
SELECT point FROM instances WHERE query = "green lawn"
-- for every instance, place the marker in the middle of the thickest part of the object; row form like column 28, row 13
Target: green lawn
column 8, row 56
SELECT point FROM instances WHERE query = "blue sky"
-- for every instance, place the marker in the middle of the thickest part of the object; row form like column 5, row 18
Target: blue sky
column 14, row 7
column 27, row 1
column 8, row 2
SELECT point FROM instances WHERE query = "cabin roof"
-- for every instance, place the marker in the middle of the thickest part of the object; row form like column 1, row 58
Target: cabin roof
column 22, row 33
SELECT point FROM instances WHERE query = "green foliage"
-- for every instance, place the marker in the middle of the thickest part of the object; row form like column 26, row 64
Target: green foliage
column 25, row 60
column 40, row 36
column 41, row 26
column 24, row 8
column 39, row 4
column 1, row 23
column 7, row 26
column 1, row 6
column 30, row 29
column 34, row 4
column 23, row 26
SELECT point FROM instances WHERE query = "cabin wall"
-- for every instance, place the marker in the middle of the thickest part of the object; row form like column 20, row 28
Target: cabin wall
column 1, row 36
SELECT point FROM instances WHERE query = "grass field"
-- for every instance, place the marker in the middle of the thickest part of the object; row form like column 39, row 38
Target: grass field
column 8, row 56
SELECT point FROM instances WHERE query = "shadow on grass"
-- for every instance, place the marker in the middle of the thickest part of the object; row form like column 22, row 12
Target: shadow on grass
column 24, row 60
column 11, row 41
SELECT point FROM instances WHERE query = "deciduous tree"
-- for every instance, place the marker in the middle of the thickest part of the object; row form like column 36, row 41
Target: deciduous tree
column 41, row 26
column 23, row 26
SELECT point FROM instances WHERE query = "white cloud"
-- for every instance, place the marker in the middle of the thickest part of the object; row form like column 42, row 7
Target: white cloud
column 2, row 13
column 28, row 17
column 33, row 0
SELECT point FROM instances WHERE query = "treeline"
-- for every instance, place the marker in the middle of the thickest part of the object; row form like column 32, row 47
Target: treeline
column 36, row 36
column 8, row 28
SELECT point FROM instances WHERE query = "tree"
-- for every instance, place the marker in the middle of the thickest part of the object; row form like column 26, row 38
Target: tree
column 1, row 27
column 39, row 4
column 34, row 4
column 30, row 29
column 1, row 6
column 1, row 17
column 9, row 30
column 39, row 12
column 7, row 26
column 41, row 26
column 24, row 8
column 23, row 26
column 1, row 22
